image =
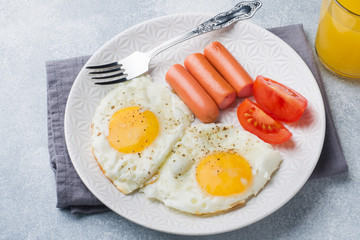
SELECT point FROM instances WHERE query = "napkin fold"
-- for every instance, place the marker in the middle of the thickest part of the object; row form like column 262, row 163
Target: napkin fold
column 72, row 193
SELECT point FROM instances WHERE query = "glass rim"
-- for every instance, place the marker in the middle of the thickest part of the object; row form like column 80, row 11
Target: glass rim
column 351, row 12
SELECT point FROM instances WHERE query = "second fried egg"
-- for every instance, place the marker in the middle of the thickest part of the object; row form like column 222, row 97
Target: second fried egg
column 213, row 168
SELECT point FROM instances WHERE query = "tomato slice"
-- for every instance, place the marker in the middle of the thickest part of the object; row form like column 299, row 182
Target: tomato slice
column 279, row 101
column 253, row 119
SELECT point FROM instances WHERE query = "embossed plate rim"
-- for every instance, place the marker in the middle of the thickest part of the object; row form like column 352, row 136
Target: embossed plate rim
column 82, row 172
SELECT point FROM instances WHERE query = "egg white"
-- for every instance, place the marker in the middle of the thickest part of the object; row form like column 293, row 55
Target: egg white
column 129, row 171
column 176, row 185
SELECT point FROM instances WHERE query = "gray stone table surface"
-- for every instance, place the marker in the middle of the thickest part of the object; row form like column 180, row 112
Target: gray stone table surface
column 32, row 32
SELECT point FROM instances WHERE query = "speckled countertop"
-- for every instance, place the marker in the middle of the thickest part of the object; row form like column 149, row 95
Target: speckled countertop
column 32, row 32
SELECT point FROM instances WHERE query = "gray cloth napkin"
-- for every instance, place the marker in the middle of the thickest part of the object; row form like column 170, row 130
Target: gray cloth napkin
column 72, row 193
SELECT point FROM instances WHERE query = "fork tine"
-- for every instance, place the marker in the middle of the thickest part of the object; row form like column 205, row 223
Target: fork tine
column 110, row 76
column 104, row 66
column 112, row 82
column 108, row 71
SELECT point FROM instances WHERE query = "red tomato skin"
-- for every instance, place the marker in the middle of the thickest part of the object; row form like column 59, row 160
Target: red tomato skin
column 279, row 101
column 276, row 137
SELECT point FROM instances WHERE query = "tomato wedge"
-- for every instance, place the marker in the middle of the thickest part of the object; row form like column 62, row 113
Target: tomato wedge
column 253, row 119
column 279, row 101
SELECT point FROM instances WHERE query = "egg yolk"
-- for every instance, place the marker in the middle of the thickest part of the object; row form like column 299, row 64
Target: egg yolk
column 224, row 174
column 131, row 130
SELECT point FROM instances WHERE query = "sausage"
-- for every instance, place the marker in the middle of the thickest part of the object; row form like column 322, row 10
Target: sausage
column 215, row 85
column 192, row 93
column 230, row 69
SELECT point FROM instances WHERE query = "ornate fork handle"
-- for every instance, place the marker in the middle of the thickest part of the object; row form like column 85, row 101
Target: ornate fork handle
column 242, row 11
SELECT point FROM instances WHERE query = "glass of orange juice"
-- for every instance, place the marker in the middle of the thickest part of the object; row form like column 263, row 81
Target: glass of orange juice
column 338, row 37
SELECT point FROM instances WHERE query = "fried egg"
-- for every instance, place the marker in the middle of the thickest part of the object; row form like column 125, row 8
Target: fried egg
column 213, row 168
column 133, row 130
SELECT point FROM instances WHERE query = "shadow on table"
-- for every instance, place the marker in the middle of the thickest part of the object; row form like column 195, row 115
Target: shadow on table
column 293, row 214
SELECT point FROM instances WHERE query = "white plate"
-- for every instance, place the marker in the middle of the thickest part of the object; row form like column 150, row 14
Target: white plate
column 260, row 52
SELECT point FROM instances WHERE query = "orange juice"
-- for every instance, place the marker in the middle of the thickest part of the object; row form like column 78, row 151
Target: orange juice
column 338, row 38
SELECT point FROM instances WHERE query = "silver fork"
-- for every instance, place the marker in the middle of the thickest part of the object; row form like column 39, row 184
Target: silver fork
column 138, row 62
